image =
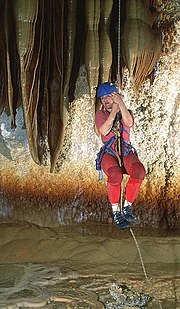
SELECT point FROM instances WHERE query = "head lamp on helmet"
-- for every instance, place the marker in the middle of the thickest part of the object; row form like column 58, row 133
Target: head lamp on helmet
column 105, row 89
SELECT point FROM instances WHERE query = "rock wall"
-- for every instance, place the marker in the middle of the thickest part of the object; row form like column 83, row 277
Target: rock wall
column 73, row 193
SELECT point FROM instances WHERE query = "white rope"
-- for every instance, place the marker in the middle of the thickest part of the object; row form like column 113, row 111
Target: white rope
column 140, row 255
column 143, row 266
column 118, row 78
column 122, row 183
column 119, row 43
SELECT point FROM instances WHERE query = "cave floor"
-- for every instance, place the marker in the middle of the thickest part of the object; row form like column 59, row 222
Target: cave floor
column 88, row 266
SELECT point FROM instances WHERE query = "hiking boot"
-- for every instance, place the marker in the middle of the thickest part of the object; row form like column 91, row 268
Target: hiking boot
column 127, row 211
column 120, row 220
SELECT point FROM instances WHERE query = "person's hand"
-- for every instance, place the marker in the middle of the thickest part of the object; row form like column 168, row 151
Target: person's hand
column 126, row 115
column 117, row 98
column 115, row 108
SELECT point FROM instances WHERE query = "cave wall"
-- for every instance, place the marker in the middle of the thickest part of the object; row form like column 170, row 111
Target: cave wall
column 72, row 192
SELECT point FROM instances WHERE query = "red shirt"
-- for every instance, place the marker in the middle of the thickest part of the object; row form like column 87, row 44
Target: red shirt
column 100, row 118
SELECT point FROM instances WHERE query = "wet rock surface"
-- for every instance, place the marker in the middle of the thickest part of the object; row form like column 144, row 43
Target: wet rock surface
column 87, row 266
column 28, row 192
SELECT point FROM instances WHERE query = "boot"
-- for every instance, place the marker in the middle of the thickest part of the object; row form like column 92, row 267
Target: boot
column 127, row 212
column 120, row 220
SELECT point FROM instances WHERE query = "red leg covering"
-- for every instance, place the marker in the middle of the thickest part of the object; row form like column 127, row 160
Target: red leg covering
column 133, row 167
column 114, row 174
column 132, row 188
column 114, row 192
column 137, row 173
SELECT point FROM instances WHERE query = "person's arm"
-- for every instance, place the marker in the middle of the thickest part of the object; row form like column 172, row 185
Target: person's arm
column 107, row 125
column 126, row 115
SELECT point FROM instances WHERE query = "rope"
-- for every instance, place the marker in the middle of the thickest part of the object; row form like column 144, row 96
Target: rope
column 143, row 266
column 140, row 255
column 122, row 183
column 119, row 43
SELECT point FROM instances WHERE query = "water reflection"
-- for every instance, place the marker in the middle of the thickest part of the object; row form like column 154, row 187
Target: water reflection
column 87, row 266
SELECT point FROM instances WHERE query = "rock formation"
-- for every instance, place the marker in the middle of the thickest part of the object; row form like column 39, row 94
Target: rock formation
column 47, row 103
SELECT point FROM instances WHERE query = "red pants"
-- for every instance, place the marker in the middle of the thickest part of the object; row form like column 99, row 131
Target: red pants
column 131, row 166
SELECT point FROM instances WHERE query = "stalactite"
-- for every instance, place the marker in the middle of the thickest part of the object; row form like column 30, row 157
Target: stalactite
column 70, row 31
column 13, row 64
column 105, row 50
column 56, row 106
column 92, row 44
column 105, row 44
column 25, row 13
column 38, row 55
column 3, row 60
column 44, row 100
column 141, row 43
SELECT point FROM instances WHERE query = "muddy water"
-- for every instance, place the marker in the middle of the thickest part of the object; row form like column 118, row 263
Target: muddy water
column 87, row 266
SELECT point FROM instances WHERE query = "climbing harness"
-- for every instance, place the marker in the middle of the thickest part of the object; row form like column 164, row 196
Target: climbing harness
column 122, row 147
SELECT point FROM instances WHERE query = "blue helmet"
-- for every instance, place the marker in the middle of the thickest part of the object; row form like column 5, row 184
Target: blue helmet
column 105, row 89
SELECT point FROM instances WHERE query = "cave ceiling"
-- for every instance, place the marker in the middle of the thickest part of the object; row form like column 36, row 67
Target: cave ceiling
column 43, row 45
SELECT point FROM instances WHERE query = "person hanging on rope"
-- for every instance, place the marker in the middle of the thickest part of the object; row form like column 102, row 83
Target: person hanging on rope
column 117, row 156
